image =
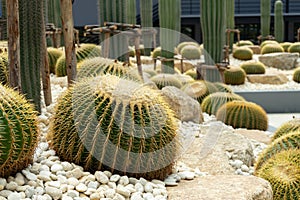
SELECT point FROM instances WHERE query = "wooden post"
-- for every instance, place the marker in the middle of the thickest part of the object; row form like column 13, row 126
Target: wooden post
column 67, row 26
column 138, row 51
column 13, row 43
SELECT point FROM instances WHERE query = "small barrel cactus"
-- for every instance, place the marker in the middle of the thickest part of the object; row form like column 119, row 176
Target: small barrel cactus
column 183, row 44
column 296, row 75
column 234, row 76
column 199, row 89
column 268, row 42
column 294, row 48
column 222, row 87
column 285, row 142
column 191, row 52
column 53, row 55
column 109, row 123
column 19, row 132
column 213, row 102
column 162, row 80
column 192, row 73
column 156, row 52
column 282, row 171
column 243, row 53
column 287, row 127
column 243, row 114
column 286, row 46
column 272, row 48
column 131, row 51
column 3, row 70
column 244, row 43
column 253, row 67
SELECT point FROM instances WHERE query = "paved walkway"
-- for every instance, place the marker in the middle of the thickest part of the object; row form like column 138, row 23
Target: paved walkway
column 276, row 119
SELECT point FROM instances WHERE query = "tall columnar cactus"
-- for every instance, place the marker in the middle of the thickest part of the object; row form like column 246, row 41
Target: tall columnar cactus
column 278, row 21
column 147, row 22
column 230, row 19
column 108, row 123
column 131, row 11
column 32, row 33
column 19, row 132
column 265, row 17
column 170, row 24
column 213, row 24
column 54, row 13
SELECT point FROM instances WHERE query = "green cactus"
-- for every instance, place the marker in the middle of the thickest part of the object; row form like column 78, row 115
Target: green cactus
column 131, row 11
column 181, row 45
column 19, row 132
column 146, row 8
column 290, row 140
column 285, row 46
column 191, row 52
column 156, row 52
column 53, row 55
column 192, row 73
column 162, row 80
column 282, row 171
column 53, row 15
column 124, row 127
column 243, row 114
column 244, row 43
column 296, row 75
column 4, row 20
column 230, row 20
column 213, row 102
column 234, row 76
column 222, row 87
column 294, row 48
column 183, row 78
column 253, row 67
column 243, row 53
column 170, row 27
column 3, row 69
column 271, row 48
column 278, row 21
column 287, row 127
column 268, row 42
column 150, row 72
column 199, row 89
column 265, row 17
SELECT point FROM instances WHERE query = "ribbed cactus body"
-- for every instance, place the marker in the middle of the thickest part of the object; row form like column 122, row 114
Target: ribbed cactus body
column 213, row 102
column 282, row 172
column 146, row 9
column 108, row 123
column 272, row 48
column 286, row 46
column 283, row 143
column 287, row 127
column 213, row 23
column 234, row 76
column 253, row 67
column 191, row 52
column 3, row 69
column 244, row 43
column 294, row 48
column 18, row 134
column 243, row 53
column 230, row 20
column 268, row 42
column 243, row 114
column 170, row 27
column 222, row 87
column 296, row 75
column 181, row 45
column 131, row 11
column 53, row 55
column 265, row 17
column 278, row 21
column 162, row 80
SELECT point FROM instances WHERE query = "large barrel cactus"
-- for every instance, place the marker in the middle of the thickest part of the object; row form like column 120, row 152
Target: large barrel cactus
column 287, row 127
column 234, row 76
column 18, row 132
column 253, row 67
column 162, row 80
column 109, row 123
column 243, row 114
column 283, row 172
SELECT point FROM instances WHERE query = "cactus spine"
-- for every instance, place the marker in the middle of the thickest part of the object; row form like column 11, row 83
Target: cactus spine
column 230, row 19
column 131, row 11
column 265, row 10
column 147, row 22
column 278, row 21
column 170, row 23
column 32, row 33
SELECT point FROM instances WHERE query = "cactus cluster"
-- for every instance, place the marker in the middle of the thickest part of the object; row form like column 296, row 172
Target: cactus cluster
column 213, row 102
column 286, row 46
column 19, row 132
column 271, row 48
column 294, row 48
column 296, row 75
column 287, row 127
column 253, row 67
column 243, row 114
column 191, row 52
column 282, row 171
column 109, row 123
column 53, row 55
column 162, row 80
column 234, row 76
column 243, row 53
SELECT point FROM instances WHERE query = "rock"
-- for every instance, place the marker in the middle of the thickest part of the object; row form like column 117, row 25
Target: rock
column 139, row 187
column 14, row 196
column 53, row 192
column 20, row 180
column 101, row 177
column 124, row 180
column 274, row 79
column 44, row 175
column 12, row 186
column 255, row 48
column 257, row 135
column 81, row 187
column 148, row 187
column 123, row 191
column 285, row 61
column 115, row 178
column 109, row 193
column 73, row 181
column 57, row 167
column 212, row 149
column 95, row 196
column 223, row 187
column 185, row 107
column 30, row 176
column 3, row 183
column 245, row 168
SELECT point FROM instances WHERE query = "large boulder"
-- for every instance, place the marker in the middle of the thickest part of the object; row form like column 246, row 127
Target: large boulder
column 185, row 107
column 285, row 61
column 223, row 187
column 274, row 79
column 218, row 144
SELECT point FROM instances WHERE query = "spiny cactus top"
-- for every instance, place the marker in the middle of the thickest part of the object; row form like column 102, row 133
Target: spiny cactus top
column 111, row 123
column 18, row 132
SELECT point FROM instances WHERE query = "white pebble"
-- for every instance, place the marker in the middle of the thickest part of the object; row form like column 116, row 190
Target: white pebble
column 73, row 193
column 55, row 184
column 20, row 179
column 115, row 178
column 30, row 176
column 123, row 191
column 109, row 193
column 245, row 168
column 12, row 186
column 53, row 192
column 73, row 181
column 95, row 196
column 56, row 167
column 124, row 180
column 148, row 187
column 119, row 197
column 101, row 177
column 14, row 196
column 67, row 166
column 81, row 187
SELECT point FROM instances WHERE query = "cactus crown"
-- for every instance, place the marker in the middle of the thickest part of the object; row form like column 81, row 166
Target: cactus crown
column 162, row 80
column 244, row 43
